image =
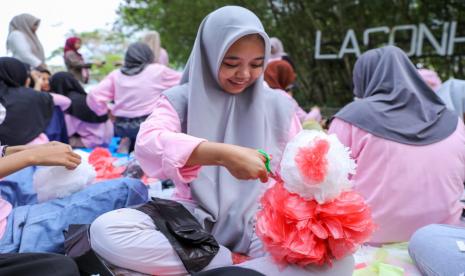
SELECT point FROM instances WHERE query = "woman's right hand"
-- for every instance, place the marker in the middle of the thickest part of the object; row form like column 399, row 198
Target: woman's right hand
column 244, row 163
column 53, row 154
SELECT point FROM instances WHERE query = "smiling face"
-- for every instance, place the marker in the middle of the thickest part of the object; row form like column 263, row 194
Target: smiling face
column 242, row 64
column 45, row 81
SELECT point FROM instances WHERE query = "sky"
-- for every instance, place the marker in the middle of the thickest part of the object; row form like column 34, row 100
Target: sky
column 57, row 19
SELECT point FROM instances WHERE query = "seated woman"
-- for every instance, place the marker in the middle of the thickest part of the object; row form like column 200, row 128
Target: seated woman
column 24, row 112
column 134, row 89
column 409, row 148
column 85, row 128
column 26, row 226
column 204, row 135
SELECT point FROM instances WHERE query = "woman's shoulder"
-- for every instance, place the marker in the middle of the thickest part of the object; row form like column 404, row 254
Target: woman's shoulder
column 16, row 33
column 278, row 97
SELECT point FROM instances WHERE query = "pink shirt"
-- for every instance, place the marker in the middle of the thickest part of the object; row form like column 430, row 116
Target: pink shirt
column 406, row 186
column 134, row 96
column 163, row 59
column 162, row 150
column 92, row 134
column 61, row 101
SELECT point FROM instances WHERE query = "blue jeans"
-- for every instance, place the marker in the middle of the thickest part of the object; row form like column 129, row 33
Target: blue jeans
column 128, row 127
column 39, row 227
column 435, row 252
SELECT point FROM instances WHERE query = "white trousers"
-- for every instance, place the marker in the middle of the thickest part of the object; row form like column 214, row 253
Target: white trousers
column 128, row 238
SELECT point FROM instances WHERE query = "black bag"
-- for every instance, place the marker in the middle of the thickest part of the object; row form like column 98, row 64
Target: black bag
column 195, row 246
column 77, row 246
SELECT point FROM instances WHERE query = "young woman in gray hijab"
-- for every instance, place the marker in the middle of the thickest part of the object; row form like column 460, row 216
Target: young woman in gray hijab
column 23, row 42
column 409, row 148
column 204, row 135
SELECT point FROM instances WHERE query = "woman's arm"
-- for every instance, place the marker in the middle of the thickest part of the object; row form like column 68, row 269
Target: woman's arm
column 102, row 94
column 51, row 154
column 243, row 163
column 74, row 61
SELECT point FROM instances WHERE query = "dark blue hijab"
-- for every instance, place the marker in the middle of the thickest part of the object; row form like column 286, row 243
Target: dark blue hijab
column 394, row 102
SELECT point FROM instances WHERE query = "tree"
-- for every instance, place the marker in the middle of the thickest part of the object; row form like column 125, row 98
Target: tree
column 296, row 22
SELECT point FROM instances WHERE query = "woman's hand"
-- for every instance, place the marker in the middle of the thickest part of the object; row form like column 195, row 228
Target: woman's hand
column 53, row 154
column 245, row 163
column 38, row 80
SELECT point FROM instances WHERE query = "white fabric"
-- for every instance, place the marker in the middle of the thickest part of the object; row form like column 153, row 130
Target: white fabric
column 20, row 49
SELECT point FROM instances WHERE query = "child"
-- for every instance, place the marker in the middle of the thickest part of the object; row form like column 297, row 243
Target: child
column 204, row 135
column 134, row 89
column 91, row 129
column 24, row 112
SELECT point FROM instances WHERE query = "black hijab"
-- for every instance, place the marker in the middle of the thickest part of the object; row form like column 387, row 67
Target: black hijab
column 394, row 102
column 137, row 57
column 28, row 112
column 65, row 84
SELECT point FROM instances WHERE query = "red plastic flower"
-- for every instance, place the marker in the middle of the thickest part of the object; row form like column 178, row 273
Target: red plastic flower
column 303, row 232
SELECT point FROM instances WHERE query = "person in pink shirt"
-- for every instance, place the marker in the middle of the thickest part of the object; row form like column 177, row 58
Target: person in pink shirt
column 409, row 148
column 204, row 135
column 152, row 39
column 431, row 78
column 85, row 127
column 134, row 89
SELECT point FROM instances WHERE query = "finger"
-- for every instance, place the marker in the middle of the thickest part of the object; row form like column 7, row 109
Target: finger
column 75, row 155
column 76, row 161
column 263, row 176
column 70, row 165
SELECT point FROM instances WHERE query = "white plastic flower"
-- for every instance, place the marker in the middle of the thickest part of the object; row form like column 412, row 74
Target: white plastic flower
column 316, row 165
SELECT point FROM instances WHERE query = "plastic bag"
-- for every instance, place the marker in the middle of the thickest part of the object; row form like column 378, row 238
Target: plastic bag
column 58, row 182
column 194, row 246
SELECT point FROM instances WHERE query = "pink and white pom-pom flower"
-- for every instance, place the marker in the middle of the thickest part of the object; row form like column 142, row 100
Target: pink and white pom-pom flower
column 310, row 216
column 316, row 165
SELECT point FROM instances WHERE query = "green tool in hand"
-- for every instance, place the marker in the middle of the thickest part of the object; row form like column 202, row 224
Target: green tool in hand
column 267, row 161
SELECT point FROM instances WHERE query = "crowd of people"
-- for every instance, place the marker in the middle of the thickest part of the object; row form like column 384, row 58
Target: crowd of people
column 201, row 129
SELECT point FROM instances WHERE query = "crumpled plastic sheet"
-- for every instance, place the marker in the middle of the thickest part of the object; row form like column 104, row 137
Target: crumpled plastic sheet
column 102, row 161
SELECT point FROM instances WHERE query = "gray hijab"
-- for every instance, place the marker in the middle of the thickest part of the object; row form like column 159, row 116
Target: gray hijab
column 24, row 23
column 394, row 102
column 137, row 57
column 258, row 117
column 452, row 92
